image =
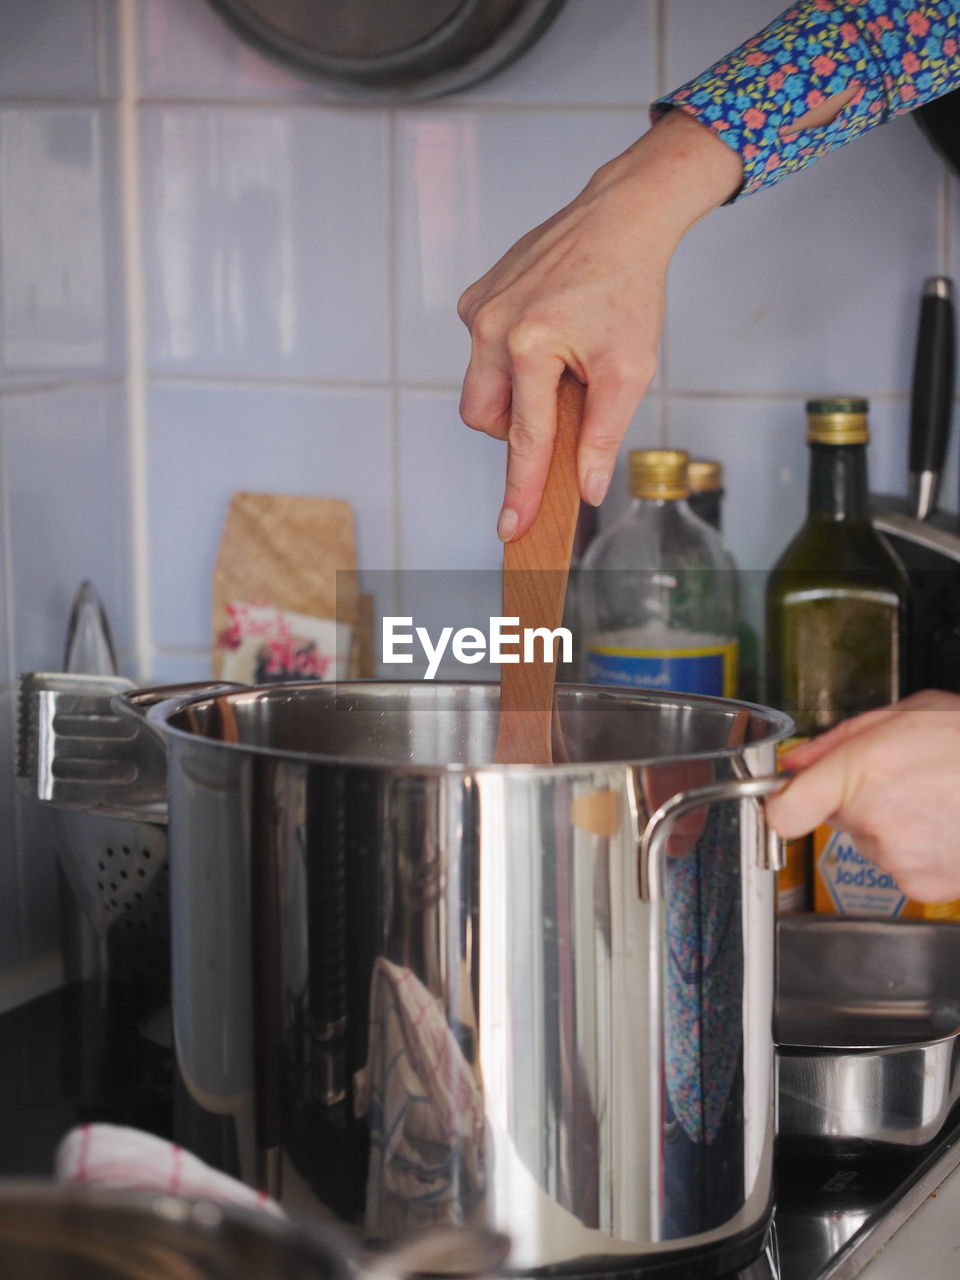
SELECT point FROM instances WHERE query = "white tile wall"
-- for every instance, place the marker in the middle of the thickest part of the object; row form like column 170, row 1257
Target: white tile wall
column 594, row 54
column 695, row 35
column 768, row 296
column 265, row 242
column 301, row 255
column 761, row 444
column 66, row 495
column 58, row 48
column 67, row 488
column 206, row 442
column 60, row 311
column 461, row 204
column 64, row 473
column 10, row 907
column 180, row 666
column 188, row 51
column 451, row 486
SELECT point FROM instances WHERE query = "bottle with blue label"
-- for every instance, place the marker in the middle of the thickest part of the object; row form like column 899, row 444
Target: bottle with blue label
column 659, row 590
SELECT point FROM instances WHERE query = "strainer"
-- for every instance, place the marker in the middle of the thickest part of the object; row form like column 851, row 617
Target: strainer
column 98, row 766
column 119, row 874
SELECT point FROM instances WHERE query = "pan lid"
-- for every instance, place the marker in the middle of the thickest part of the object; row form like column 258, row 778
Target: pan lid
column 419, row 49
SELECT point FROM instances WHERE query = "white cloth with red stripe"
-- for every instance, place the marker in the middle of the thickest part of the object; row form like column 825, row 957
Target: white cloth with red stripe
column 108, row 1155
column 420, row 1095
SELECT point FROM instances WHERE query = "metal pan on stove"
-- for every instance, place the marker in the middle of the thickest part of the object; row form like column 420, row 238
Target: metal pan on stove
column 867, row 1027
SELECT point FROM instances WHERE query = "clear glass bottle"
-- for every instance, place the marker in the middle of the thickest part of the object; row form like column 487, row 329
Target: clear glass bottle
column 659, row 590
column 572, row 672
column 836, row 607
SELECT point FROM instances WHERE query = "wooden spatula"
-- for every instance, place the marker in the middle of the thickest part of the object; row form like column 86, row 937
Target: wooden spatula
column 535, row 570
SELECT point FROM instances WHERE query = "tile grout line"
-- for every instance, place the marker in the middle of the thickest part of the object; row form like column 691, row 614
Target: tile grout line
column 436, row 106
column 22, row 390
column 99, row 30
column 659, row 17
column 946, row 210
column 6, row 569
column 6, row 558
column 230, row 382
column 393, row 336
column 662, row 401
column 134, row 305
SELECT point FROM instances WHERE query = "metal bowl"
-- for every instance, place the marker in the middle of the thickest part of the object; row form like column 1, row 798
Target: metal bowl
column 49, row 1232
column 867, row 1028
column 53, row 1232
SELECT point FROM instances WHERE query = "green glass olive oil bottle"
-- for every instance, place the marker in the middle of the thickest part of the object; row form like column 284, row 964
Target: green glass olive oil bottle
column 836, row 609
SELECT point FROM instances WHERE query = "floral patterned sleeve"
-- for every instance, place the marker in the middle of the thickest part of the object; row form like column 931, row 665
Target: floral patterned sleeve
column 898, row 55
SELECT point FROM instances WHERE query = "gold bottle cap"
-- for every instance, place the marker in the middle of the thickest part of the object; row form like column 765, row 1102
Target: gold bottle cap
column 659, row 473
column 704, row 475
column 838, row 420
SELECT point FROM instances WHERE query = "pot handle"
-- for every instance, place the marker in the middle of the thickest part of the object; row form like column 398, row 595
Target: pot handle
column 652, row 847
column 137, row 704
column 144, row 755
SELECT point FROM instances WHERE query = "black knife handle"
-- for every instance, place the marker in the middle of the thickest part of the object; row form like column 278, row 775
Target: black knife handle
column 933, row 377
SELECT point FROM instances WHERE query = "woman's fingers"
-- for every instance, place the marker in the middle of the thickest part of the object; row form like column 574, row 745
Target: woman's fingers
column 813, row 797
column 808, row 753
column 533, row 426
column 610, row 404
column 889, row 779
column 519, row 405
column 486, row 396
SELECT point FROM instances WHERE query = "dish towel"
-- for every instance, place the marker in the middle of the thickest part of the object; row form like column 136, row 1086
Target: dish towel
column 108, row 1155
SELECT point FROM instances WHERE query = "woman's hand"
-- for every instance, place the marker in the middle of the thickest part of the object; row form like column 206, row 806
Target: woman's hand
column 891, row 778
column 585, row 290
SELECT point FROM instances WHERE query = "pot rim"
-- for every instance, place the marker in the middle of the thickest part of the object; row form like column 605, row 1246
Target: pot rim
column 159, row 713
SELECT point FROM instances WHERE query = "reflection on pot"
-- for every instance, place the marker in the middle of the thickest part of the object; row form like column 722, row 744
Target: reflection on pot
column 424, row 1108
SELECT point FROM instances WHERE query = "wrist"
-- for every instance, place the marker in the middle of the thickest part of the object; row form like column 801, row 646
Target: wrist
column 674, row 174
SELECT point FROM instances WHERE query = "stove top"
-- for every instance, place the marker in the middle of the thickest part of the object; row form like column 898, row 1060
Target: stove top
column 72, row 1057
column 67, row 1058
column 835, row 1210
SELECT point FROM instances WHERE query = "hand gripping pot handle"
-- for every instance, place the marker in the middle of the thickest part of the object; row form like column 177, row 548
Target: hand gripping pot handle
column 653, row 841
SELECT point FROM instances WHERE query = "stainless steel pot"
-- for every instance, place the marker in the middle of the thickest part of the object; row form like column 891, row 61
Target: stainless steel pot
column 427, row 989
